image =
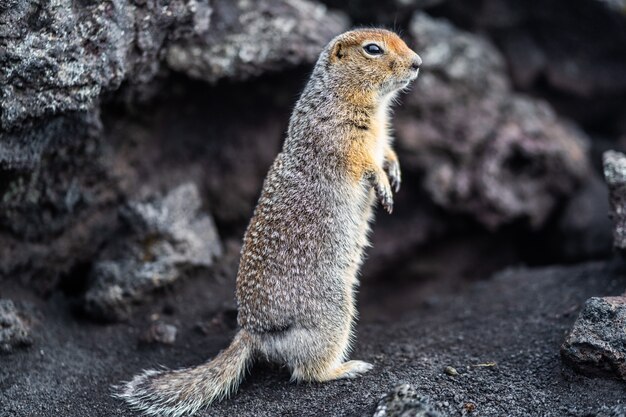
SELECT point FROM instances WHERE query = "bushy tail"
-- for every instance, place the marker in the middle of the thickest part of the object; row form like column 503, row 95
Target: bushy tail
column 185, row 391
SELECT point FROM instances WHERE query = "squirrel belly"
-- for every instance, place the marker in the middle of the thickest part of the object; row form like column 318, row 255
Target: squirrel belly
column 304, row 246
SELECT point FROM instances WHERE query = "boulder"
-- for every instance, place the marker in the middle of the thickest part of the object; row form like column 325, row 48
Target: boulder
column 482, row 149
column 548, row 54
column 63, row 56
column 584, row 230
column 65, row 65
column 58, row 196
column 615, row 177
column 403, row 401
column 166, row 239
column 596, row 345
column 246, row 39
column 14, row 327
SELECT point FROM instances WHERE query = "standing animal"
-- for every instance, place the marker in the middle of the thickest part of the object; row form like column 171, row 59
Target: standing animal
column 304, row 245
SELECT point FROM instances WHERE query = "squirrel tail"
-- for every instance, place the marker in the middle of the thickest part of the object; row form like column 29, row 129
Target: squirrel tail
column 185, row 391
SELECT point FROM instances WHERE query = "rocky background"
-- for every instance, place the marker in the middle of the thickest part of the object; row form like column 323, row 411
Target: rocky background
column 134, row 138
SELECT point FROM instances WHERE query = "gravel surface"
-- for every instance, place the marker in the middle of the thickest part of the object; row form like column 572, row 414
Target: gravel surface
column 501, row 335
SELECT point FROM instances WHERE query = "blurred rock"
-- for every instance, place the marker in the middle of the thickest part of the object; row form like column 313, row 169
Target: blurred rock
column 160, row 332
column 390, row 13
column 584, row 230
column 397, row 239
column 482, row 149
column 403, row 401
column 49, row 172
column 14, row 327
column 248, row 38
column 222, row 137
column 62, row 56
column 167, row 238
column 617, row 5
column 596, row 345
column 547, row 52
column 57, row 197
column 615, row 177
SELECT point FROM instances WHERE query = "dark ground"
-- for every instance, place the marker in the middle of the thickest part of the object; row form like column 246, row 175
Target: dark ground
column 516, row 320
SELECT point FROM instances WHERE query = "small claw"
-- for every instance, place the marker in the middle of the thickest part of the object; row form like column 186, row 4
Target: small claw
column 382, row 186
column 394, row 175
column 397, row 181
column 384, row 195
column 395, row 184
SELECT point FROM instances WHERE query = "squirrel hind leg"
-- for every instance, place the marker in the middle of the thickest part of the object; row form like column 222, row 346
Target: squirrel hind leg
column 322, row 361
column 345, row 370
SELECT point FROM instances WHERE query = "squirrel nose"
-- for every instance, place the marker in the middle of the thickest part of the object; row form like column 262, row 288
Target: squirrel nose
column 416, row 63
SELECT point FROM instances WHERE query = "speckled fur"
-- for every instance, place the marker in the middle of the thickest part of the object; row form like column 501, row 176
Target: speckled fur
column 304, row 246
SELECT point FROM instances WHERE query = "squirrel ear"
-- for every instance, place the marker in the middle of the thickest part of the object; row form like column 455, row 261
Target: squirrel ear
column 337, row 52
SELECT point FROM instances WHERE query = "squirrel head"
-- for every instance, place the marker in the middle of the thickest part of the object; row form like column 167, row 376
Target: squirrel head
column 374, row 61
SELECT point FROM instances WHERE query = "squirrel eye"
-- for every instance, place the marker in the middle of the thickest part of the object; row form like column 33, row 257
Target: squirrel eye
column 373, row 49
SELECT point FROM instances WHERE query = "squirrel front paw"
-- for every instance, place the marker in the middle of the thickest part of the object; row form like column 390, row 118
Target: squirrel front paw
column 391, row 166
column 392, row 169
column 380, row 182
column 383, row 192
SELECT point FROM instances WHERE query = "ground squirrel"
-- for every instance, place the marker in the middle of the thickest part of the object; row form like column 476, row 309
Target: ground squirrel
column 304, row 245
